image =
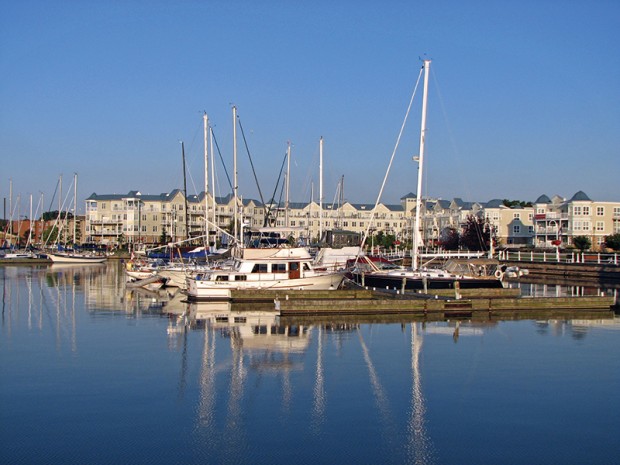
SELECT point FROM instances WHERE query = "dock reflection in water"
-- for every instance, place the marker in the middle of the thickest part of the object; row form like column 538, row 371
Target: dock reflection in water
column 220, row 383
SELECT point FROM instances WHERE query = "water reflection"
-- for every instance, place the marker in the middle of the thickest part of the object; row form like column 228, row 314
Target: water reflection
column 237, row 365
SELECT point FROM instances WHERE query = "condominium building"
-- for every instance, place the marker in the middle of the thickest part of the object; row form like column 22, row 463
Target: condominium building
column 558, row 221
column 136, row 217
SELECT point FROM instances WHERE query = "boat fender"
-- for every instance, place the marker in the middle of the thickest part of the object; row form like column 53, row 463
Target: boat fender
column 498, row 274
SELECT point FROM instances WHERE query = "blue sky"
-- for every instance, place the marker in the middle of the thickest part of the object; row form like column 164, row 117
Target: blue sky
column 524, row 96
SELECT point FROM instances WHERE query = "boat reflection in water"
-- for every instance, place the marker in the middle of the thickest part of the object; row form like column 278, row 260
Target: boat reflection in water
column 260, row 343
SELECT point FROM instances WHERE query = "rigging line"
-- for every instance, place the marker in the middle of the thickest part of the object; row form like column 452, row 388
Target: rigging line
column 53, row 196
column 456, row 152
column 247, row 149
column 372, row 216
column 275, row 189
column 221, row 158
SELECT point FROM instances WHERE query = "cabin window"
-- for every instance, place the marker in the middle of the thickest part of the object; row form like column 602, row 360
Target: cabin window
column 221, row 277
column 294, row 266
column 306, row 267
column 240, row 319
column 260, row 268
column 241, row 277
column 259, row 329
column 278, row 268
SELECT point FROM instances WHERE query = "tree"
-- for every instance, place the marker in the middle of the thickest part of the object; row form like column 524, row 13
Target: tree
column 516, row 203
column 613, row 241
column 476, row 234
column 449, row 239
column 582, row 242
column 163, row 238
column 50, row 235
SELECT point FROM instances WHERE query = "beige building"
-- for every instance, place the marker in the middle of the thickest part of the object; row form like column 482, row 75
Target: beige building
column 558, row 221
column 135, row 217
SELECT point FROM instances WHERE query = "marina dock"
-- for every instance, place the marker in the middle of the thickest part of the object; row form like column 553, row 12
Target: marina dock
column 475, row 303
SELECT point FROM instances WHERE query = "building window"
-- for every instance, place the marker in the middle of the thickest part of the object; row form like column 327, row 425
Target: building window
column 600, row 211
column 576, row 211
column 154, row 229
column 600, row 225
column 516, row 216
column 586, row 211
column 516, row 229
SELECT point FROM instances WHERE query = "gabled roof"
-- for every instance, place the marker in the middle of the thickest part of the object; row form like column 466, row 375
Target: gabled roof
column 543, row 199
column 410, row 195
column 581, row 195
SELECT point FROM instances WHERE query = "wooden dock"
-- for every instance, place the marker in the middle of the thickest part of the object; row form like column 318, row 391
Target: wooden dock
column 477, row 303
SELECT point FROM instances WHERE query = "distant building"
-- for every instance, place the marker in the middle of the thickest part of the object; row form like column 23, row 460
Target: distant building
column 135, row 217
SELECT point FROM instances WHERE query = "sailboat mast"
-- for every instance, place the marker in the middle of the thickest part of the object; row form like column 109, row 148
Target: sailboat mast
column 30, row 223
column 205, row 120
column 235, row 192
column 74, row 208
column 184, row 188
column 417, row 239
column 288, row 184
column 213, row 187
column 321, row 188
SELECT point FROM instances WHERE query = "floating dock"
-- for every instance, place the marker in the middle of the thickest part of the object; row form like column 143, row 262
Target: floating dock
column 479, row 303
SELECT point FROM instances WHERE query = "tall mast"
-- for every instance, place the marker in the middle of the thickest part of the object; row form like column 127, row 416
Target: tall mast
column 30, row 223
column 60, row 204
column 417, row 240
column 74, row 207
column 205, row 120
column 235, row 193
column 321, row 188
column 288, row 184
column 10, row 207
column 184, row 189
column 213, row 186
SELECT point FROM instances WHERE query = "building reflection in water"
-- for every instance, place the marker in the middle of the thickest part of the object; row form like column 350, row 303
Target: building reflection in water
column 257, row 340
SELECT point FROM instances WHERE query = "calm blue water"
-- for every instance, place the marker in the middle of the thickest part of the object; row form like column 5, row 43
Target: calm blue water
column 93, row 373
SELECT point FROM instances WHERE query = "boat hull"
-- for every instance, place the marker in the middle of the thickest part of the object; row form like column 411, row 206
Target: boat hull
column 420, row 283
column 221, row 290
column 69, row 258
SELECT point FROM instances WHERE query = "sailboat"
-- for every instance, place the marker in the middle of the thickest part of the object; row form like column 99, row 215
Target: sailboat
column 369, row 273
column 74, row 255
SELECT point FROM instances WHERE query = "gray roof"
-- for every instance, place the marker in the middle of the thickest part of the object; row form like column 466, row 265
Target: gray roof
column 494, row 203
column 543, row 199
column 581, row 195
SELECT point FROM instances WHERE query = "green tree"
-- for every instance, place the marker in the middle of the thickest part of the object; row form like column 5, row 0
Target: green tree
column 613, row 241
column 50, row 235
column 163, row 238
column 582, row 242
column 476, row 234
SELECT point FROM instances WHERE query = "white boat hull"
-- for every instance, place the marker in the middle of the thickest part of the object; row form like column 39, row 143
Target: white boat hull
column 75, row 258
column 218, row 290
